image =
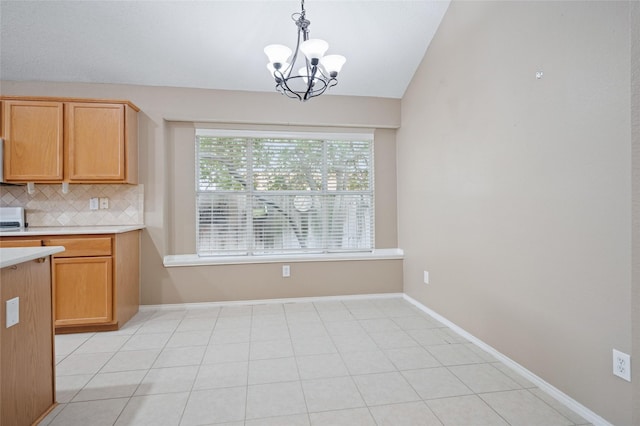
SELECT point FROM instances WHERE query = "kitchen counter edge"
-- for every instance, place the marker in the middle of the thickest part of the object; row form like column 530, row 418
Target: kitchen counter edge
column 14, row 256
column 71, row 230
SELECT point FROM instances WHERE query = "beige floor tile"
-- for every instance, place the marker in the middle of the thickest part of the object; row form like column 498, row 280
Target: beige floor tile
column 299, row 330
column 52, row 415
column 68, row 386
column 313, row 346
column 111, row 385
column 299, row 307
column 153, row 410
column 465, row 410
column 454, row 354
column 379, row 325
column 354, row 343
column 189, row 338
column 166, row 380
column 349, row 417
column 271, row 332
column 159, row 326
column 269, row 320
column 271, row 349
column 522, row 381
column 102, row 343
column 321, row 366
column 225, row 336
column 230, row 374
column 168, row 314
column 273, row 370
column 411, row 358
column 405, row 414
column 67, row 343
column 521, row 407
column 176, row 357
column 429, row 336
column 483, row 378
column 338, row 315
column 233, row 352
column 563, row 409
column 268, row 309
column 94, row 413
column 131, row 360
column 196, row 324
column 208, row 312
column 275, row 399
column 486, row 356
column 82, row 363
column 215, row 406
column 141, row 342
column 367, row 362
column 385, row 388
column 233, row 322
column 345, row 328
column 435, row 383
column 294, row 420
column 331, row 394
column 416, row 322
column 306, row 318
column 393, row 339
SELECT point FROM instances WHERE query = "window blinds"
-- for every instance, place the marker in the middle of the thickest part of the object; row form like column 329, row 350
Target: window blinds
column 270, row 195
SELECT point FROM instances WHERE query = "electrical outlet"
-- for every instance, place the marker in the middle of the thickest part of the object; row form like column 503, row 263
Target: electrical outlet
column 93, row 203
column 104, row 203
column 13, row 311
column 622, row 365
column 426, row 277
column 286, row 271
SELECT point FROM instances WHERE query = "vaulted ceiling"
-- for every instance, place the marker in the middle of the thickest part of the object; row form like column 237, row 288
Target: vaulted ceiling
column 211, row 44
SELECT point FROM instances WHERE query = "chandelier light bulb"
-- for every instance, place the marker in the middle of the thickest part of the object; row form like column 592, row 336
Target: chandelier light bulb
column 314, row 49
column 283, row 67
column 333, row 64
column 277, row 53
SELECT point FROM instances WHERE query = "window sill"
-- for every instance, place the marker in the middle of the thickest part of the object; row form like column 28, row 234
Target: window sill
column 195, row 260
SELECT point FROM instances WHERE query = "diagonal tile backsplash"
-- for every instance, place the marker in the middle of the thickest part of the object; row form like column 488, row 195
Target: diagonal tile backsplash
column 48, row 206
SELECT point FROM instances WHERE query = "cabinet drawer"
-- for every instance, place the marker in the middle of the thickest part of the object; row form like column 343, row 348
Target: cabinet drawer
column 20, row 243
column 77, row 247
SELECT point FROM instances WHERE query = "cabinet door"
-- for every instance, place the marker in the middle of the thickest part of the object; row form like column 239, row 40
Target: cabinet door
column 33, row 145
column 82, row 288
column 95, row 142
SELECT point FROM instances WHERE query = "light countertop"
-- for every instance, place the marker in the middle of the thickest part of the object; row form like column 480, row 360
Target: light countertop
column 13, row 256
column 69, row 230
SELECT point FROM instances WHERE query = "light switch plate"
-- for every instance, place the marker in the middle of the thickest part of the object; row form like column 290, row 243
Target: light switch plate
column 104, row 202
column 13, row 311
column 93, row 203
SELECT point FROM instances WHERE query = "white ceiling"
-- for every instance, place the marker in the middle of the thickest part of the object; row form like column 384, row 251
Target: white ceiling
column 211, row 44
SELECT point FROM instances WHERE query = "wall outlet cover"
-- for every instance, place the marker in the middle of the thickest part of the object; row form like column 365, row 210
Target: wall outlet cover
column 13, row 311
column 622, row 365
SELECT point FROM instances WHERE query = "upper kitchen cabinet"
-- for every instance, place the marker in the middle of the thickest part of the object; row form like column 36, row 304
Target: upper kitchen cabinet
column 97, row 141
column 33, row 141
column 101, row 142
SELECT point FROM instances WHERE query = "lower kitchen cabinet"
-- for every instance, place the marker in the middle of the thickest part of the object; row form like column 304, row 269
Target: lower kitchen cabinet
column 83, row 290
column 27, row 378
column 96, row 280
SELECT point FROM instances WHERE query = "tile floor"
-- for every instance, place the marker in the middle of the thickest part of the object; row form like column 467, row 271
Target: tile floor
column 349, row 362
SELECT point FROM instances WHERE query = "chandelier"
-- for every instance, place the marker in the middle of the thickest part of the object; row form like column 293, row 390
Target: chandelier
column 318, row 73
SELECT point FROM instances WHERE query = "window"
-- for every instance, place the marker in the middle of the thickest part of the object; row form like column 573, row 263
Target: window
column 263, row 193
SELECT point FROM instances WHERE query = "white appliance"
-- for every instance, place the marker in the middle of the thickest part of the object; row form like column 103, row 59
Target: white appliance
column 12, row 218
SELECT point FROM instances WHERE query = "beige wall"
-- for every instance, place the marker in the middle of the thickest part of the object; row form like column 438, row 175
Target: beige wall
column 634, row 20
column 167, row 169
column 514, row 193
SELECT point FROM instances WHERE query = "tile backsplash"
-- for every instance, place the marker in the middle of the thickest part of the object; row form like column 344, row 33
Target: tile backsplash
column 48, row 206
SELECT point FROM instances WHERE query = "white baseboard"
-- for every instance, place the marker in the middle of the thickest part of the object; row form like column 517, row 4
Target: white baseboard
column 187, row 306
column 554, row 392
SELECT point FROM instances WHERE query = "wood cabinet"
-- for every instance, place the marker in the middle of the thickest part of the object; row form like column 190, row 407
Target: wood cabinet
column 71, row 140
column 96, row 280
column 33, row 142
column 27, row 388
